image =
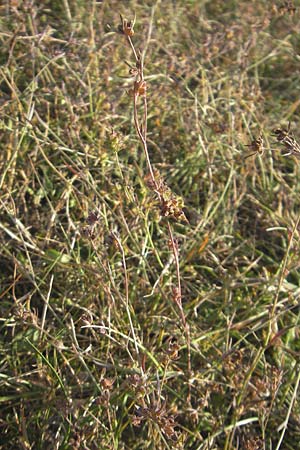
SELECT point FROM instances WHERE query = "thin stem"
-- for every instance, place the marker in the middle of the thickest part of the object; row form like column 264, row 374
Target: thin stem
column 120, row 246
column 280, row 282
column 176, row 258
column 132, row 48
column 145, row 117
column 179, row 303
column 143, row 141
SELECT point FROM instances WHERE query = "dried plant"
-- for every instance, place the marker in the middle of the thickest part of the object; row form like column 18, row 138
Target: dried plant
column 170, row 204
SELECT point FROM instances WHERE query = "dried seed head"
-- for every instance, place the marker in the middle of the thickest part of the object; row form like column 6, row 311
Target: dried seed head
column 126, row 27
column 173, row 350
column 286, row 138
column 257, row 145
column 171, row 206
column 157, row 413
column 93, row 217
column 140, row 87
column 287, row 7
column 107, row 383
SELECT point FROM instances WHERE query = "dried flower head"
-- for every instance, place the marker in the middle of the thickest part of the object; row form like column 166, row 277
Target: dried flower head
column 257, row 146
column 93, row 221
column 137, row 384
column 287, row 139
column 126, row 27
column 107, row 383
column 173, row 350
column 157, row 413
column 287, row 7
column 140, row 87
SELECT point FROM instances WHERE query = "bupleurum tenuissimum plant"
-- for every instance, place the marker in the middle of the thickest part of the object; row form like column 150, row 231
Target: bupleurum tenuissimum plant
column 170, row 206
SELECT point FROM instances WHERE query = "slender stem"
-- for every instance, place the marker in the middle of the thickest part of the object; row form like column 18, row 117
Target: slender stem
column 176, row 258
column 145, row 117
column 120, row 246
column 143, row 141
column 280, row 282
column 132, row 48
column 179, row 303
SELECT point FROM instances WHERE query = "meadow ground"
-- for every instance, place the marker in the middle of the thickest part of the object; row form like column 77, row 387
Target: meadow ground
column 149, row 303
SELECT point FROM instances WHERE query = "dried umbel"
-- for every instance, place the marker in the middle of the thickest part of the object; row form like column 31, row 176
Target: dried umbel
column 126, row 26
column 287, row 7
column 140, row 87
column 287, row 139
column 158, row 414
column 257, row 146
column 138, row 385
column 171, row 206
column 173, row 350
column 93, row 221
column 251, row 443
column 93, row 218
